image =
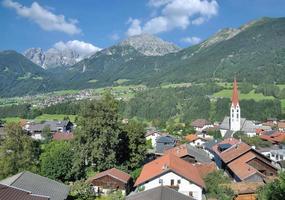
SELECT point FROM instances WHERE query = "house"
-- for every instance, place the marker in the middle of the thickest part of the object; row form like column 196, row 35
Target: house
column 196, row 140
column 163, row 143
column 242, row 162
column 36, row 129
column 189, row 153
column 58, row 136
column 159, row 193
column 170, row 170
column 13, row 193
column 111, row 180
column 245, row 190
column 234, row 122
column 201, row 124
column 37, row 185
column 152, row 135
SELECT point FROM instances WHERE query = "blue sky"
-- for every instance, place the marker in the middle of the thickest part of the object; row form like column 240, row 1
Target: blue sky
column 102, row 23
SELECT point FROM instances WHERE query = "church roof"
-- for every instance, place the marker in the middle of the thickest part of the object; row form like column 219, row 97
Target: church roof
column 247, row 126
column 235, row 100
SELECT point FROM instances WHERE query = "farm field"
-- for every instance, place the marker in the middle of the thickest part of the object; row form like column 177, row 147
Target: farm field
column 44, row 117
column 251, row 95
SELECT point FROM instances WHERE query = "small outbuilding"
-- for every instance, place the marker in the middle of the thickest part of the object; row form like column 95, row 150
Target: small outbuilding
column 110, row 181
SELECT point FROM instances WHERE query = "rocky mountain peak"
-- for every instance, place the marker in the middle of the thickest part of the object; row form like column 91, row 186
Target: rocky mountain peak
column 150, row 45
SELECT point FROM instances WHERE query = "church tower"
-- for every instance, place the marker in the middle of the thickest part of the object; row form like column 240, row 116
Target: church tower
column 235, row 110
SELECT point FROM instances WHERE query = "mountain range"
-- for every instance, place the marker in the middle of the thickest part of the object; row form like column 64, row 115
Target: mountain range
column 255, row 53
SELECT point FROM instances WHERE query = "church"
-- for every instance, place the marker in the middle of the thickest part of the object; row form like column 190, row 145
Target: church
column 234, row 122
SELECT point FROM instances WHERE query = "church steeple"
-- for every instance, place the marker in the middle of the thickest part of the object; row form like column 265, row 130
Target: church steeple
column 235, row 109
column 235, row 100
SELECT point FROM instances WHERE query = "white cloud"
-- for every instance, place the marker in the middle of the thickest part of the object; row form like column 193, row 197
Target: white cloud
column 135, row 27
column 177, row 14
column 83, row 48
column 115, row 37
column 191, row 40
column 44, row 18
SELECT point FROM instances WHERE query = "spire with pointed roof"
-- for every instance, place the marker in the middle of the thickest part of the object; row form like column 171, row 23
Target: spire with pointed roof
column 235, row 100
column 235, row 109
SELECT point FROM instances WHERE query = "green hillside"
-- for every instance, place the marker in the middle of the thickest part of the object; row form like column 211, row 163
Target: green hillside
column 19, row 76
column 254, row 53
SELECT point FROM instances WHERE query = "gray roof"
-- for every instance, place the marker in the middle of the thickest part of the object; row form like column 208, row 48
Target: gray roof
column 53, row 125
column 208, row 145
column 163, row 143
column 200, row 155
column 158, row 193
column 247, row 126
column 228, row 134
column 39, row 185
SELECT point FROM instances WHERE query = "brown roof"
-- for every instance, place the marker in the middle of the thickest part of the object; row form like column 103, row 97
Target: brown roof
column 191, row 137
column 245, row 187
column 63, row 136
column 115, row 173
column 206, row 168
column 169, row 163
column 200, row 123
column 235, row 101
column 13, row 193
column 241, row 168
column 237, row 149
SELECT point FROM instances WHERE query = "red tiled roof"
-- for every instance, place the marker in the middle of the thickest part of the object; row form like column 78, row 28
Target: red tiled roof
column 168, row 163
column 179, row 151
column 200, row 123
column 276, row 137
column 235, row 100
column 13, row 193
column 63, row 136
column 191, row 137
column 115, row 173
column 206, row 168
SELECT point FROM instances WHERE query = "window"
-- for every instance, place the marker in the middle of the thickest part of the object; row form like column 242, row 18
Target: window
column 237, row 115
column 178, row 181
column 160, row 181
column 172, row 182
column 191, row 194
column 233, row 110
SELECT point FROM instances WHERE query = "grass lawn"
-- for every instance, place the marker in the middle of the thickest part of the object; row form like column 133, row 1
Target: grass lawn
column 283, row 105
column 65, row 92
column 12, row 119
column 250, row 95
column 121, row 81
column 176, row 85
column 46, row 117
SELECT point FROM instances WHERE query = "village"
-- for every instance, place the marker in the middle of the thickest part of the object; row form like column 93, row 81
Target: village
column 174, row 168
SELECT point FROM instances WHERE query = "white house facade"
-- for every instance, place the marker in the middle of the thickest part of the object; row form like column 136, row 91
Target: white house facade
column 171, row 179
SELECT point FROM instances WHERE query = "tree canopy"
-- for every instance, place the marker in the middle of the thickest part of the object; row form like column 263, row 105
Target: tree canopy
column 18, row 152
